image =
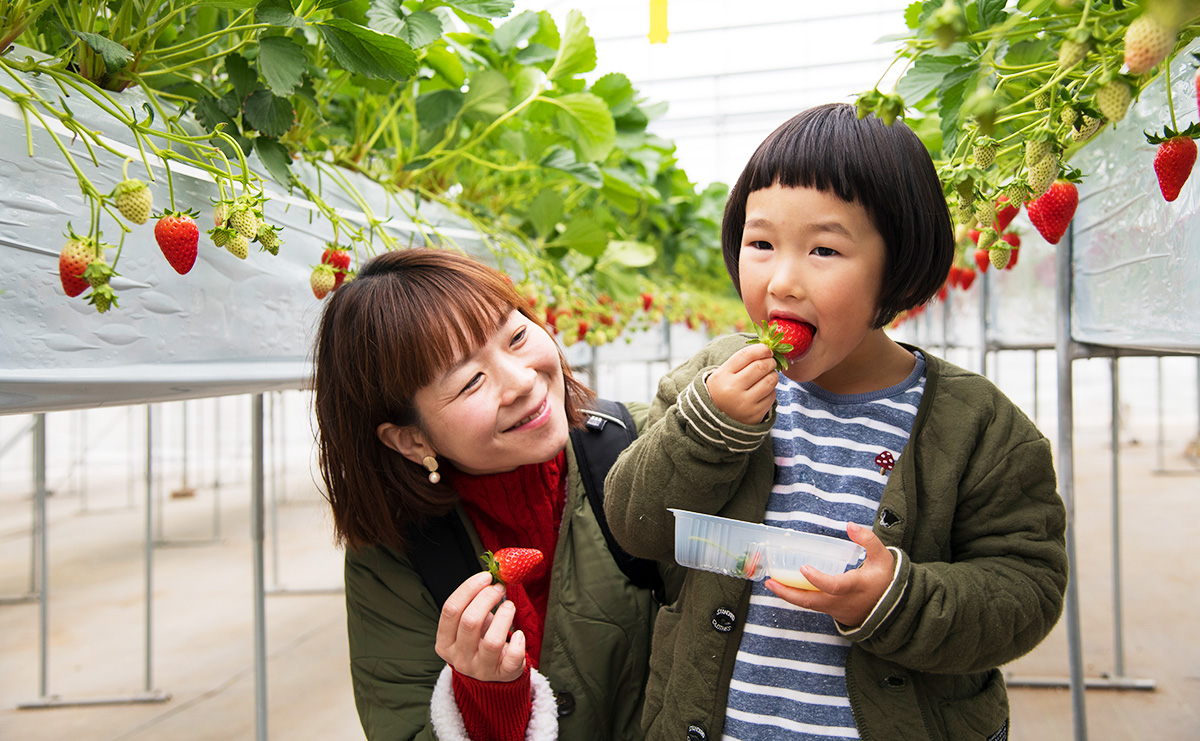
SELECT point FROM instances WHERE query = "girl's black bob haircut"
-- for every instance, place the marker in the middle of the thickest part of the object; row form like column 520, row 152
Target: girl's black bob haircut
column 885, row 169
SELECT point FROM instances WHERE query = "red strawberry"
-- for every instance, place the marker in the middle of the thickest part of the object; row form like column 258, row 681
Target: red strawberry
column 974, row 235
column 955, row 277
column 787, row 338
column 1015, row 242
column 322, row 280
column 1005, row 214
column 1053, row 210
column 944, row 291
column 982, row 260
column 511, row 566
column 583, row 328
column 1173, row 164
column 966, row 277
column 647, row 301
column 75, row 257
column 177, row 236
column 339, row 259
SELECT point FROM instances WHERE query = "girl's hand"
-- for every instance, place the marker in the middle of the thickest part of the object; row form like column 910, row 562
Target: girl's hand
column 848, row 598
column 744, row 386
column 473, row 639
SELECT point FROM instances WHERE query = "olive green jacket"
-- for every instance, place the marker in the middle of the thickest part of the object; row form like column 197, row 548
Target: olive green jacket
column 595, row 649
column 971, row 510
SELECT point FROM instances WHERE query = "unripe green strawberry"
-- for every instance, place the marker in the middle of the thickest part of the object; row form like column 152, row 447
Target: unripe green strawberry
column 1113, row 99
column 245, row 222
column 1071, row 53
column 987, row 238
column 98, row 271
column 985, row 152
column 322, row 280
column 964, row 212
column 1086, row 128
column 221, row 214
column 985, row 211
column 999, row 256
column 268, row 237
column 1041, row 101
column 1147, row 42
column 1036, row 150
column 1068, row 115
column 134, row 200
column 238, row 245
column 1043, row 174
column 103, row 298
column 1016, row 191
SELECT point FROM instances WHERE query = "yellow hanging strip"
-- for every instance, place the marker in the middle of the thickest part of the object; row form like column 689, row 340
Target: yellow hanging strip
column 658, row 21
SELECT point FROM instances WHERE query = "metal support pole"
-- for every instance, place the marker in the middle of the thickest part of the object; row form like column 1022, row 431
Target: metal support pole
column 149, row 554
column 1118, row 640
column 984, row 298
column 35, row 522
column 1035, row 386
column 39, row 495
column 256, row 540
column 1066, row 477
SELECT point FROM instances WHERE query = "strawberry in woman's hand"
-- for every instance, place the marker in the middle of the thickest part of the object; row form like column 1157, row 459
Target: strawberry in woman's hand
column 787, row 339
column 1054, row 209
column 1175, row 157
column 511, row 566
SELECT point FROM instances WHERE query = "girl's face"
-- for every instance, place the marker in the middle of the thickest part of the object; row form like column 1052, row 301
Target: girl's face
column 807, row 255
column 500, row 406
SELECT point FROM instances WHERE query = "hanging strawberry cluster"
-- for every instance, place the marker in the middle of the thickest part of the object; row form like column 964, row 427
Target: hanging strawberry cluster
column 1004, row 94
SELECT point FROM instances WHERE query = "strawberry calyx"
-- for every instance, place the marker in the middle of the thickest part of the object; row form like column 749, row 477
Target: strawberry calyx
column 787, row 339
column 1191, row 132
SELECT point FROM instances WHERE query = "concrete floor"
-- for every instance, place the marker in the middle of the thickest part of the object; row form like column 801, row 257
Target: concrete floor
column 202, row 647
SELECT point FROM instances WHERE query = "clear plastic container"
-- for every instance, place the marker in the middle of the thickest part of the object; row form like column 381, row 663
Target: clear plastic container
column 748, row 550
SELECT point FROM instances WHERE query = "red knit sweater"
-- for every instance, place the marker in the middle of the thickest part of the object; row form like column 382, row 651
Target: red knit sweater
column 521, row 508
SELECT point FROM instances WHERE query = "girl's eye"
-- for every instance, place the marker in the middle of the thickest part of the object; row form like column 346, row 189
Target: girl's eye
column 759, row 244
column 825, row 252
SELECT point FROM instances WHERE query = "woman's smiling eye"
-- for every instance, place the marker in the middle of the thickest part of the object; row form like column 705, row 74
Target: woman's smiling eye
column 472, row 383
column 518, row 336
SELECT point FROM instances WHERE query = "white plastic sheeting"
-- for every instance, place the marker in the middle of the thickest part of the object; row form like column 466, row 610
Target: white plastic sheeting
column 229, row 326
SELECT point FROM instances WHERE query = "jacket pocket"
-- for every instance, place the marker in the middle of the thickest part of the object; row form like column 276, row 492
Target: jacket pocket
column 982, row 715
column 662, row 655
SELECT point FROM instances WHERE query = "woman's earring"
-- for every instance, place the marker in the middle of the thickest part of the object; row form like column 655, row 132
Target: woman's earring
column 430, row 464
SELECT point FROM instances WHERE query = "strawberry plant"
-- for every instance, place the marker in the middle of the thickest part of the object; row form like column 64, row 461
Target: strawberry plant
column 461, row 104
column 1004, row 94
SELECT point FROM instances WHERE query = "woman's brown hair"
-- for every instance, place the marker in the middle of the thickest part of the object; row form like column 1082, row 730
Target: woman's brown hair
column 383, row 336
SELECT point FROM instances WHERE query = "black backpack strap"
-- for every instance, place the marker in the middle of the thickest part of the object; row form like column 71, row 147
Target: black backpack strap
column 442, row 554
column 610, row 429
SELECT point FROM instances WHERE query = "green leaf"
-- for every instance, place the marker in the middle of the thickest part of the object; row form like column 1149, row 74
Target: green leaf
column 276, row 158
column 487, row 95
column 545, row 211
column 436, row 109
column 990, row 12
column 447, row 65
column 617, row 91
column 277, row 13
column 515, row 30
column 619, row 191
column 369, row 53
column 241, row 75
column 281, row 62
column 630, row 254
column 561, row 158
column 584, row 235
column 482, row 8
column 421, row 28
column 927, row 74
column 210, row 114
column 114, row 55
column 268, row 113
column 536, row 54
column 576, row 51
column 587, row 122
column 386, row 16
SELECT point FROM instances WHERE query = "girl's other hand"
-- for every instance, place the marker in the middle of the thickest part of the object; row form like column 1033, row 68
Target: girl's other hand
column 473, row 633
column 848, row 598
column 743, row 387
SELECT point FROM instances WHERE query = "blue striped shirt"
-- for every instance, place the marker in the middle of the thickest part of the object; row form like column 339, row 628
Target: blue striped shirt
column 789, row 682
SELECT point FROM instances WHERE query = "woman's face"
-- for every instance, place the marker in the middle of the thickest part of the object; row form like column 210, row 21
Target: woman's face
column 500, row 406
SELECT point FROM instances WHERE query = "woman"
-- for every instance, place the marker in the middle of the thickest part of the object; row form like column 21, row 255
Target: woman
column 437, row 391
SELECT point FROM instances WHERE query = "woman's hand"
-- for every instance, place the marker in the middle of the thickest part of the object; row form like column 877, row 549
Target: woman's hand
column 744, row 385
column 473, row 639
column 848, row 598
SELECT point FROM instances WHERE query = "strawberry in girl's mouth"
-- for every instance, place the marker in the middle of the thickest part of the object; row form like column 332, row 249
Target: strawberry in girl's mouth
column 788, row 339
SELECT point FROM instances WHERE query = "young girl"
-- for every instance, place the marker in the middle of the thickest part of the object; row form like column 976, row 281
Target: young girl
column 840, row 224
